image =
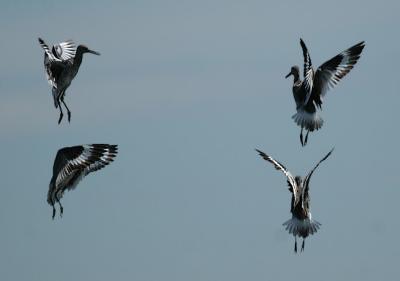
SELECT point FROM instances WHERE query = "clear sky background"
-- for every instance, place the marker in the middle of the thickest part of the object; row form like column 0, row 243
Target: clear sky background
column 188, row 89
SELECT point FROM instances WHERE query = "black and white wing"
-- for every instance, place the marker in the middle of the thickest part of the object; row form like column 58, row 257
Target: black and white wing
column 308, row 70
column 308, row 177
column 73, row 163
column 279, row 166
column 52, row 65
column 65, row 50
column 47, row 51
column 331, row 72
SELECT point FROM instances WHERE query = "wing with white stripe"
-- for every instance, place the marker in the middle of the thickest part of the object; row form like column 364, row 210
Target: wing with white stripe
column 331, row 72
column 308, row 177
column 74, row 163
column 308, row 71
column 52, row 65
column 47, row 51
column 282, row 168
column 65, row 50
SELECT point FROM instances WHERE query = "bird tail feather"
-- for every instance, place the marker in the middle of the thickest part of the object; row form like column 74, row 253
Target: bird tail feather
column 302, row 228
column 309, row 121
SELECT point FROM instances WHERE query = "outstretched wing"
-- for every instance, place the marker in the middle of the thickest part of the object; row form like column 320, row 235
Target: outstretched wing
column 47, row 51
column 279, row 166
column 308, row 71
column 65, row 50
column 74, row 163
column 53, row 66
column 331, row 72
column 308, row 177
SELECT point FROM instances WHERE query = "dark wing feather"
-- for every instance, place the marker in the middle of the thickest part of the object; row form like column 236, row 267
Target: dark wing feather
column 74, row 163
column 52, row 65
column 47, row 51
column 331, row 72
column 308, row 70
column 290, row 179
column 308, row 177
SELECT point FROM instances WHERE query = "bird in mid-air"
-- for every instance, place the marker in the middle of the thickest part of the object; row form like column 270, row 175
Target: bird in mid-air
column 301, row 224
column 61, row 64
column 74, row 163
column 309, row 93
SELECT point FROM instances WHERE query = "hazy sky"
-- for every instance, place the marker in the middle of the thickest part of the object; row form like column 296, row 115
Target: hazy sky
column 188, row 89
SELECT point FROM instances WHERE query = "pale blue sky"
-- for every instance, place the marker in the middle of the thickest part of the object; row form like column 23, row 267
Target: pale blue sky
column 188, row 89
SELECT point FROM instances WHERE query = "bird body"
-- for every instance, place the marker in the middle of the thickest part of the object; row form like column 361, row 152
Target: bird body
column 309, row 92
column 301, row 224
column 72, row 164
column 61, row 64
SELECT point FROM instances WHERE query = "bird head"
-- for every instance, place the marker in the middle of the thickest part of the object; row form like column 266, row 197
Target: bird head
column 293, row 71
column 85, row 49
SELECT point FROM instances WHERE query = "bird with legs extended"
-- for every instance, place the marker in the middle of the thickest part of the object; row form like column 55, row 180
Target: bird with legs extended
column 301, row 224
column 309, row 93
column 61, row 64
column 72, row 164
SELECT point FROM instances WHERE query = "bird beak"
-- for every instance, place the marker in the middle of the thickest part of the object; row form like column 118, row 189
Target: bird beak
column 93, row 52
column 290, row 73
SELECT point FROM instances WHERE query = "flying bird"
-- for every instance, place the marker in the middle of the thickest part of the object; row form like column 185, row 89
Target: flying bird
column 61, row 64
column 309, row 93
column 74, row 163
column 301, row 224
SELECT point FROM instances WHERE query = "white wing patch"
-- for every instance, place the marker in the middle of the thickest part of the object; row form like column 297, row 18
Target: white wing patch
column 92, row 158
column 282, row 168
column 308, row 71
column 331, row 72
column 308, row 177
column 65, row 50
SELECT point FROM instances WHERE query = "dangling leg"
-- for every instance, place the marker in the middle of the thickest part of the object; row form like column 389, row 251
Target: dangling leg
column 68, row 111
column 295, row 244
column 302, row 245
column 305, row 141
column 61, row 207
column 301, row 137
column 61, row 113
column 54, row 209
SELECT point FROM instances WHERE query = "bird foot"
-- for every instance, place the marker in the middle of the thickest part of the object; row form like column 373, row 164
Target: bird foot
column 59, row 119
column 69, row 117
column 305, row 141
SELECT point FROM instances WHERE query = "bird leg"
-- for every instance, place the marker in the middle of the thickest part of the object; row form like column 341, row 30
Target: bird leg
column 54, row 212
column 305, row 141
column 68, row 111
column 295, row 244
column 54, row 209
column 301, row 137
column 61, row 207
column 302, row 245
column 61, row 113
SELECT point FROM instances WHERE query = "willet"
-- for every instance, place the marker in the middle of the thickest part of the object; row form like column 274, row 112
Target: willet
column 308, row 93
column 61, row 64
column 74, row 163
column 301, row 224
